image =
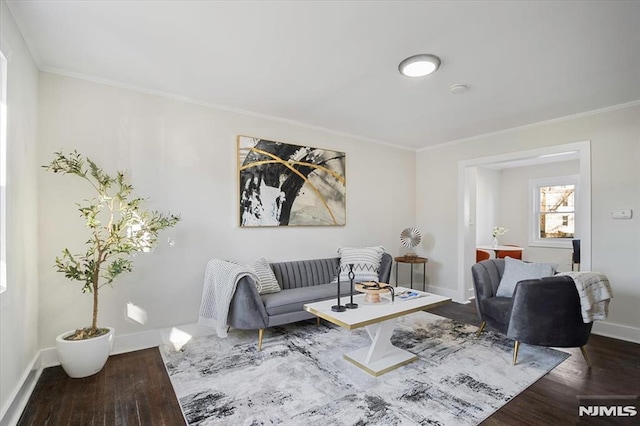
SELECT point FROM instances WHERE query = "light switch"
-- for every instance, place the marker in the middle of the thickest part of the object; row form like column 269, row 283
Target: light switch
column 621, row 214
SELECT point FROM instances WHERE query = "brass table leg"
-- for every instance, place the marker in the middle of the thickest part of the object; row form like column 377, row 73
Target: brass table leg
column 482, row 326
column 516, row 346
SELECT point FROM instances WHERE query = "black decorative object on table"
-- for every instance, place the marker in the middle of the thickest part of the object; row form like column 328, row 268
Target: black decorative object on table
column 352, row 275
column 338, row 307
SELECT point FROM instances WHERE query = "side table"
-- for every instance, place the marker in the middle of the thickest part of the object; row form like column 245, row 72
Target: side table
column 412, row 260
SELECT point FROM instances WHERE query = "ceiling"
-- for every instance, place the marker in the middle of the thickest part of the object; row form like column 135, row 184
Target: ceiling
column 335, row 64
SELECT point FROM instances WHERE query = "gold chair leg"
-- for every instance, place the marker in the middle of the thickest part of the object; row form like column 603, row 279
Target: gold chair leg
column 260, row 335
column 516, row 346
column 481, row 328
column 586, row 357
column 318, row 321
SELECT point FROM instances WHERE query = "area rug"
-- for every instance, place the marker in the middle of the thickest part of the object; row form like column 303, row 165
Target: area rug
column 300, row 377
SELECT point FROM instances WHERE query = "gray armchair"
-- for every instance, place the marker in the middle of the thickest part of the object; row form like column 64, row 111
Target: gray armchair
column 542, row 312
column 492, row 310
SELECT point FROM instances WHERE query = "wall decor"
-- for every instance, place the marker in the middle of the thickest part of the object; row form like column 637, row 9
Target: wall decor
column 290, row 185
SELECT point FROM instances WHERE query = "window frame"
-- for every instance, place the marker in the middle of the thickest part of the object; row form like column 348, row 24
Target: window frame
column 534, row 210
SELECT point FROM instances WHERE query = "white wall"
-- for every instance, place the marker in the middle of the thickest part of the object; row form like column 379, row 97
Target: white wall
column 515, row 211
column 615, row 153
column 19, row 304
column 183, row 157
column 488, row 204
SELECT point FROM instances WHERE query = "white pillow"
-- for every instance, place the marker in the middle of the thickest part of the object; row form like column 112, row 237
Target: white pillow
column 365, row 261
column 267, row 282
column 517, row 270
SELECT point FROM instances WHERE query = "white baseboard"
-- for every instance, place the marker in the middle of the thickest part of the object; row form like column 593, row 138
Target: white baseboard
column 177, row 335
column 16, row 404
column 616, row 331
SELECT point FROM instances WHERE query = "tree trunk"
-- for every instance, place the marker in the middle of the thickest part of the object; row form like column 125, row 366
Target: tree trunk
column 94, row 322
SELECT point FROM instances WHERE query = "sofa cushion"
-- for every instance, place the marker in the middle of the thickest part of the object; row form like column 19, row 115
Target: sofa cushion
column 292, row 300
column 498, row 308
column 266, row 282
column 365, row 261
column 517, row 270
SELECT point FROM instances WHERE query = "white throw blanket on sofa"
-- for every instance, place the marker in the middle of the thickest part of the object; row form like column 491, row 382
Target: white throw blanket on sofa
column 220, row 281
column 595, row 294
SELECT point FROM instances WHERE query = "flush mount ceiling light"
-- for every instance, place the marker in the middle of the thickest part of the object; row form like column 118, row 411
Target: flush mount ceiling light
column 419, row 65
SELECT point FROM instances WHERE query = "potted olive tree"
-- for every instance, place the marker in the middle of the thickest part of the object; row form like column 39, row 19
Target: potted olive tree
column 118, row 227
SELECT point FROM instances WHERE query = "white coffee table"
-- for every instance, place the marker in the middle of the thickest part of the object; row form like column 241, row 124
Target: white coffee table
column 379, row 319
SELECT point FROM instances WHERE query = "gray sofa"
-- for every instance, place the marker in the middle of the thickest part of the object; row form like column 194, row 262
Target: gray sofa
column 303, row 281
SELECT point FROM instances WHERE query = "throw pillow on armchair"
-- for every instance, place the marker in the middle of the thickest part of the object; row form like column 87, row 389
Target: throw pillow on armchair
column 517, row 270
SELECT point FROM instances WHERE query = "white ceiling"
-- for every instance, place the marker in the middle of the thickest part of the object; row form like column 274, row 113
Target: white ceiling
column 334, row 64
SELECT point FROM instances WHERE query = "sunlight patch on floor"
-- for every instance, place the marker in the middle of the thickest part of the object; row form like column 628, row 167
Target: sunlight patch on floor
column 179, row 338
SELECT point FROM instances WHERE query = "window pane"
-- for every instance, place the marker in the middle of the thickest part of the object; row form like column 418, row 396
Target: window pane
column 557, row 198
column 557, row 225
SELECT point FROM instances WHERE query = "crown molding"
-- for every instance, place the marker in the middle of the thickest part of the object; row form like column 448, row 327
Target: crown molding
column 533, row 125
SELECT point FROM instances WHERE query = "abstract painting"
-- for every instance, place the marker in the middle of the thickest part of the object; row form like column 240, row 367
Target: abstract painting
column 290, row 185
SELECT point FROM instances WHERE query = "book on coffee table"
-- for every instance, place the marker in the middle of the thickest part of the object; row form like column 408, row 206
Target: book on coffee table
column 408, row 294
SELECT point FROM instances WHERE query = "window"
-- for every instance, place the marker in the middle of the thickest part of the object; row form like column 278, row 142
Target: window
column 553, row 223
column 556, row 211
column 3, row 173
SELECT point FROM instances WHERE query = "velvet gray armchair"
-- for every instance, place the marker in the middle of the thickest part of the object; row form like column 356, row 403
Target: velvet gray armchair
column 542, row 312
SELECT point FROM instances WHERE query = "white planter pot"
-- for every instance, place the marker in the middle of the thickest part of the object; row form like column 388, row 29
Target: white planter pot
column 83, row 358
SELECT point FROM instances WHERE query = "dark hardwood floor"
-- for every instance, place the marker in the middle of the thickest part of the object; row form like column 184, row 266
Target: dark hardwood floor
column 552, row 400
column 131, row 389
column 134, row 389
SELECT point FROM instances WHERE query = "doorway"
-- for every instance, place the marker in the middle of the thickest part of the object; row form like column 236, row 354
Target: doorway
column 467, row 197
